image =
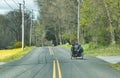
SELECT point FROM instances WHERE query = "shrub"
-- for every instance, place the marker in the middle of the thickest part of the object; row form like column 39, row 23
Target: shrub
column 17, row 44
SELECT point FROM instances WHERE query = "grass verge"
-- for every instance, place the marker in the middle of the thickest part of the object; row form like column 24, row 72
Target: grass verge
column 100, row 51
column 13, row 54
column 116, row 66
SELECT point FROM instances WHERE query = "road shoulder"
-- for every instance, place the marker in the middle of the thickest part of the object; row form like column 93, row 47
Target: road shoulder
column 110, row 59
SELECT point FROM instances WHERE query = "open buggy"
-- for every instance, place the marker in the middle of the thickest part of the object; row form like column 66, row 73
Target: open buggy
column 76, row 51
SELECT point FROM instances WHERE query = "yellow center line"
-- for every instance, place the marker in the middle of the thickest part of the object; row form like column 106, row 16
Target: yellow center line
column 59, row 70
column 51, row 51
column 54, row 70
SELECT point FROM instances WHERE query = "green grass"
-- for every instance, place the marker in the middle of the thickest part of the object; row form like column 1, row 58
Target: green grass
column 98, row 51
column 116, row 66
column 104, row 51
column 66, row 46
column 16, row 56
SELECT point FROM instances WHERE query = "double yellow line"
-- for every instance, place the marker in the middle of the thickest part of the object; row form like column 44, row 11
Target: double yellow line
column 54, row 69
column 55, row 64
column 51, row 51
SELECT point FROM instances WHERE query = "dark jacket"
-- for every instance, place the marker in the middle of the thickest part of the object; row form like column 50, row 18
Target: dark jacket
column 77, row 47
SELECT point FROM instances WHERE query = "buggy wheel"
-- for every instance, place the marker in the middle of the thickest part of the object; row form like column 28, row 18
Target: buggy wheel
column 71, row 57
column 82, row 55
column 76, row 57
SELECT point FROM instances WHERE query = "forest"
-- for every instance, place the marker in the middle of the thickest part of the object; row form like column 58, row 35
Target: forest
column 57, row 23
column 99, row 21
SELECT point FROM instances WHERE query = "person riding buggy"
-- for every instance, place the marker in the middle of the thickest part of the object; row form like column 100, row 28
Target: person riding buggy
column 76, row 51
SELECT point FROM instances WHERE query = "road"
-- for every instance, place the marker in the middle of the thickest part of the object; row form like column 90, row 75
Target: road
column 54, row 62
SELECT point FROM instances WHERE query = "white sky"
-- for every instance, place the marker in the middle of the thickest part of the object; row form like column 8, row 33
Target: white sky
column 30, row 4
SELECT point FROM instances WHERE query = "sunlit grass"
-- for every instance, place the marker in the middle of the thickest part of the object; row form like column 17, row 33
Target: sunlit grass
column 8, row 53
column 13, row 54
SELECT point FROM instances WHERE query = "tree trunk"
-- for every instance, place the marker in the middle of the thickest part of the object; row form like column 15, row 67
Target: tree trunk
column 110, row 23
column 119, row 13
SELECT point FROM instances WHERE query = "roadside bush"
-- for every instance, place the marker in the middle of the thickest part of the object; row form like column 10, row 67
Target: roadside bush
column 17, row 44
column 93, row 45
column 104, row 39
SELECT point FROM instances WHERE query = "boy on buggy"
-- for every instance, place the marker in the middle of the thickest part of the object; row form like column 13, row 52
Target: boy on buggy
column 76, row 51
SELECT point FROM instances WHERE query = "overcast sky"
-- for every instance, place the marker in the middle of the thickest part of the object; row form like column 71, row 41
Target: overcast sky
column 4, row 7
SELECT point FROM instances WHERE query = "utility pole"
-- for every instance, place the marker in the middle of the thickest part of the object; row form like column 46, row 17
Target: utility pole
column 31, row 28
column 119, row 13
column 20, row 8
column 23, row 25
column 78, row 28
column 36, row 39
column 20, row 16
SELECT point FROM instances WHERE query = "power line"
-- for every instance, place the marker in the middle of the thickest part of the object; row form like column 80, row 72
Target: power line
column 8, row 4
column 1, row 5
column 15, row 3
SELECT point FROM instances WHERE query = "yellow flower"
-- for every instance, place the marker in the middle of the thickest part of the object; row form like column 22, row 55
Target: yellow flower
column 8, row 53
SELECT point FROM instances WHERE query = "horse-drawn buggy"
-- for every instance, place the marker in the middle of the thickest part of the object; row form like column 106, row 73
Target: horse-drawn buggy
column 76, row 51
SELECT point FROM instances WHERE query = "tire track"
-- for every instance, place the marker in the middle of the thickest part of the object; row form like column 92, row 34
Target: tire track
column 38, row 63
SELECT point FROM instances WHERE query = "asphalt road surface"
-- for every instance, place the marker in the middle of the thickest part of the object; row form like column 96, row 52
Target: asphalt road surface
column 54, row 62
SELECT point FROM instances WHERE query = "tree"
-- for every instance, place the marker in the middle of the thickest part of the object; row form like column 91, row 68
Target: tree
column 99, row 20
column 58, row 18
column 10, row 27
column 14, row 24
